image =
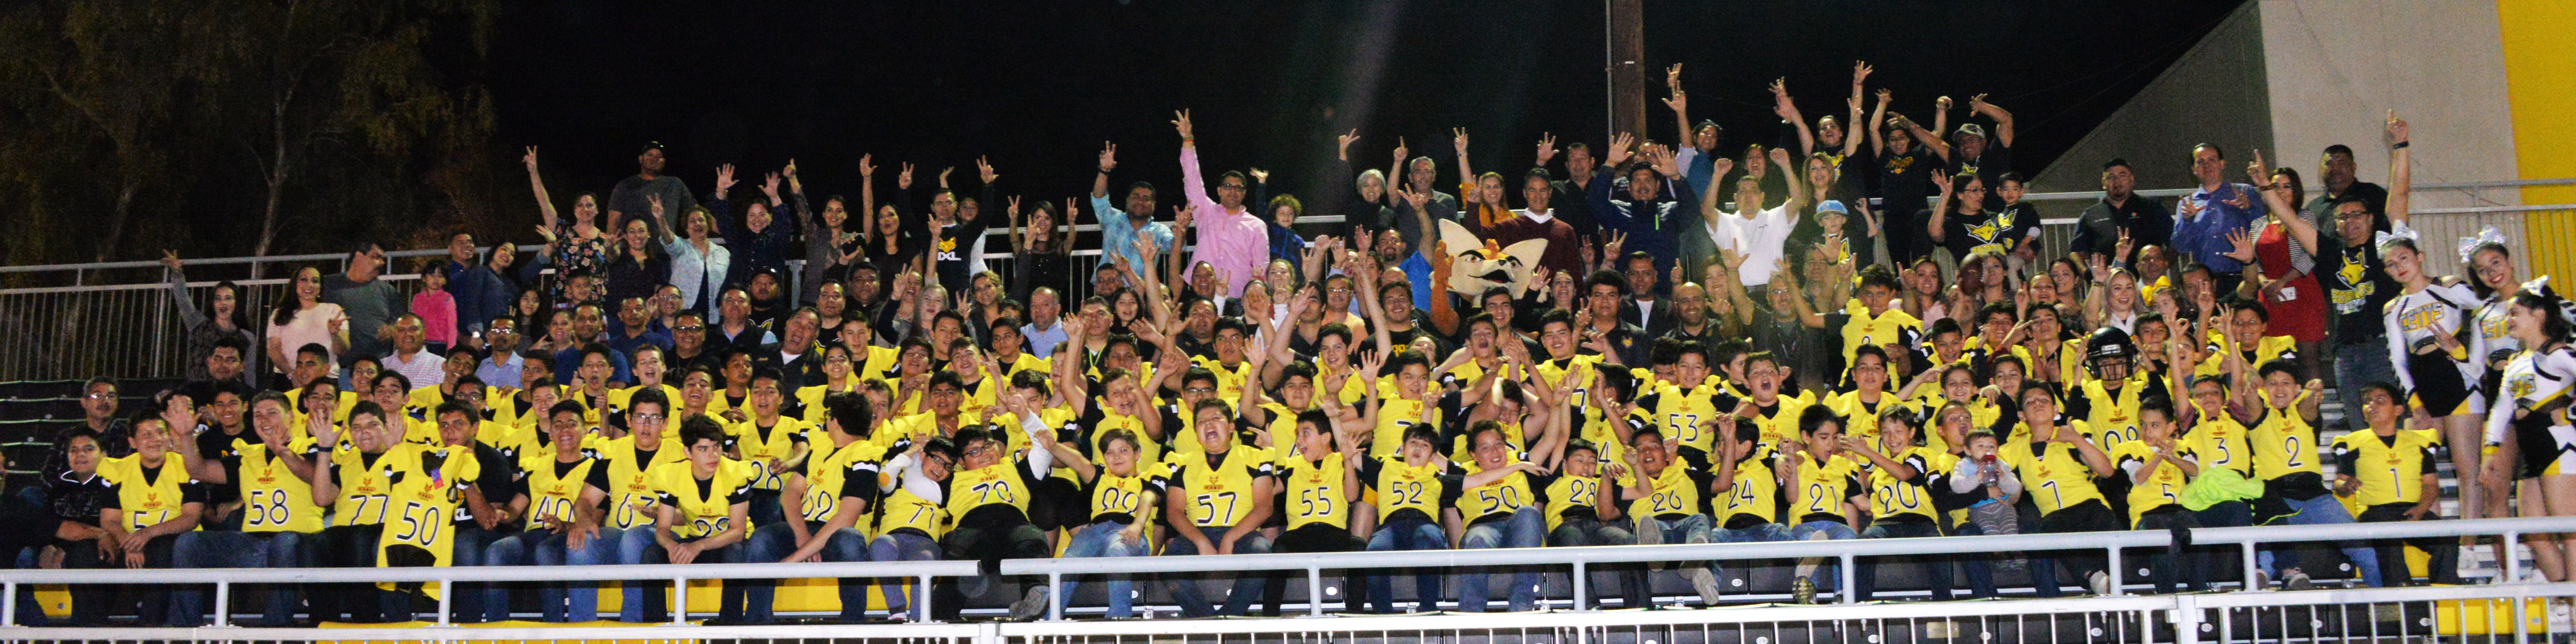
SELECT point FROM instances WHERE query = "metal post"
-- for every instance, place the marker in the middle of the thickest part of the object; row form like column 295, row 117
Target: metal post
column 9, row 604
column 223, row 603
column 2512, row 557
column 924, row 591
column 2252, row 581
column 1851, row 595
column 2116, row 570
column 447, row 590
column 2186, row 620
column 679, row 601
column 1580, row 577
column 1055, row 597
column 1315, row 591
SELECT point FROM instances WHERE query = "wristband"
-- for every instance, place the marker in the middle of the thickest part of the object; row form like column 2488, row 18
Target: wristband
column 1104, row 171
column 2401, row 145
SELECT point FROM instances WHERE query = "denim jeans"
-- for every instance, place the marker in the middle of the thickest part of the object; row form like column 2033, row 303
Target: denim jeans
column 1411, row 533
column 1828, row 573
column 730, row 611
column 2357, row 364
column 633, row 546
column 1102, row 539
column 559, row 602
column 902, row 546
column 1247, row 587
column 1527, row 528
column 1936, row 568
column 1578, row 532
column 2325, row 510
column 241, row 550
column 469, row 543
column 1977, row 567
column 772, row 545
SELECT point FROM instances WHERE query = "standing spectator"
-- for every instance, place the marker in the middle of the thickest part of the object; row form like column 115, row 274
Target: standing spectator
column 460, row 255
column 411, row 357
column 1043, row 329
column 2121, row 213
column 2335, row 170
column 1360, row 198
column 1541, row 221
column 830, row 242
column 370, row 304
column 1231, row 238
column 632, row 193
column 1905, row 165
column 1415, row 224
column 633, row 329
column 758, row 242
column 484, row 291
column 576, row 249
column 1651, row 218
column 222, row 317
column 436, row 308
column 1760, row 235
column 1119, row 227
column 1043, row 251
column 1970, row 151
column 2203, row 219
column 699, row 266
column 302, row 318
column 641, row 263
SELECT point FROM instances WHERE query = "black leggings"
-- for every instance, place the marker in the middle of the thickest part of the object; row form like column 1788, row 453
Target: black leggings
column 989, row 543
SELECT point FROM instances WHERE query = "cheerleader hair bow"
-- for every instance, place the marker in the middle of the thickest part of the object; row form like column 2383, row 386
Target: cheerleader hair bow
column 2469, row 245
column 2539, row 286
column 2400, row 231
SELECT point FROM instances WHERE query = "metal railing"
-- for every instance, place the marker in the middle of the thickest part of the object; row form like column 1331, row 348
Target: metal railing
column 2183, row 614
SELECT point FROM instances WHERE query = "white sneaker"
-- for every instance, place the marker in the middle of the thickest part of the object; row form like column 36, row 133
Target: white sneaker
column 2295, row 579
column 1031, row 606
column 1704, row 581
column 2099, row 583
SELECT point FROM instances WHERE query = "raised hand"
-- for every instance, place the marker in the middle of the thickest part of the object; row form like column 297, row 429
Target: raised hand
column 1458, row 139
column 1342, row 143
column 1977, row 104
column 1181, row 123
column 1942, row 103
column 1673, row 76
column 1417, row 198
column 1618, row 152
column 656, row 200
column 790, row 170
column 867, row 165
column 1860, row 72
column 530, row 160
column 1259, row 175
column 170, row 259
column 1400, row 152
column 1618, row 240
column 1722, row 165
column 1780, row 157
column 1941, row 180
column 769, row 186
column 2242, row 246
column 943, row 175
column 1546, row 148
column 1180, row 219
column 2256, row 170
column 724, row 179
column 1885, row 96
column 903, row 180
column 984, row 170
column 2397, row 130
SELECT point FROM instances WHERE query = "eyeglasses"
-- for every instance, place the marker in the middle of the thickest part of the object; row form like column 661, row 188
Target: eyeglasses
column 641, row 416
column 690, row 329
column 1198, row 390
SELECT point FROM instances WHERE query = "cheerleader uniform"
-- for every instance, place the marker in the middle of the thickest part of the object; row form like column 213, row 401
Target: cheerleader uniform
column 2535, row 386
column 2442, row 383
column 2497, row 345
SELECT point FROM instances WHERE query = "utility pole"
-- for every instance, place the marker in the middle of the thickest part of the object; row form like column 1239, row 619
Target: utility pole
column 1625, row 50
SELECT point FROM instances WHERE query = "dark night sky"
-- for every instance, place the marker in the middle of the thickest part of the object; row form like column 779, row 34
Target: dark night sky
column 1038, row 85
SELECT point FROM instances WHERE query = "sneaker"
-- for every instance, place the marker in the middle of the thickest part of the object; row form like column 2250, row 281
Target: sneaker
column 2099, row 583
column 2294, row 579
column 1802, row 591
column 1031, row 606
column 2262, row 581
column 1704, row 581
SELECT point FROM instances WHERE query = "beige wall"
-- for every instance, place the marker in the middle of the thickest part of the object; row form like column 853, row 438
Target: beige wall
column 2335, row 67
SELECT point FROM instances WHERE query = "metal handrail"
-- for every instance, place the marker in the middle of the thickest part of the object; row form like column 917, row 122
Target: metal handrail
column 1580, row 558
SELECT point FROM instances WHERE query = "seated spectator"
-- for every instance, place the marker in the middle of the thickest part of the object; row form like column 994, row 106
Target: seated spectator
column 266, row 475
